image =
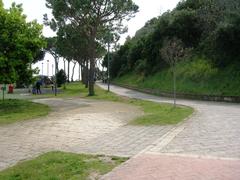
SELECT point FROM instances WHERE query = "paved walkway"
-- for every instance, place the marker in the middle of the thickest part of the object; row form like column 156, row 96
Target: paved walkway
column 212, row 133
column 210, row 137
column 74, row 122
column 163, row 167
column 80, row 126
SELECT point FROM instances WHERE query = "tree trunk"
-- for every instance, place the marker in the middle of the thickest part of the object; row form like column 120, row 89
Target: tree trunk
column 91, row 77
column 56, row 64
column 68, row 75
column 92, row 62
column 82, row 73
column 73, row 69
column 87, row 75
column 79, row 71
column 174, row 84
column 64, row 63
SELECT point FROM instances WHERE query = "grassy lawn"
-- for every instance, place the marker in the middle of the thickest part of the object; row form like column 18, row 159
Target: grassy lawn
column 155, row 113
column 160, row 114
column 62, row 166
column 13, row 110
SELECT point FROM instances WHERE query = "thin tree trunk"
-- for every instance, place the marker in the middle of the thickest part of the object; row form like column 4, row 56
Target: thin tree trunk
column 83, row 73
column 79, row 71
column 92, row 62
column 56, row 64
column 74, row 65
column 3, row 92
column 68, row 70
column 91, row 77
column 87, row 75
column 64, row 63
column 174, row 84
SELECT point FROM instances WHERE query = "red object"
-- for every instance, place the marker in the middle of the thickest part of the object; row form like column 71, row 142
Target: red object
column 10, row 89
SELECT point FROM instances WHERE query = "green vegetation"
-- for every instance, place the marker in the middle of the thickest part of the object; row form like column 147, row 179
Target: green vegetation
column 208, row 29
column 160, row 114
column 61, row 166
column 104, row 19
column 21, row 44
column 196, row 77
column 17, row 110
column 78, row 89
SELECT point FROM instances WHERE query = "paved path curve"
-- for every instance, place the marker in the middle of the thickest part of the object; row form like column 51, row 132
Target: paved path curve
column 214, row 130
column 206, row 146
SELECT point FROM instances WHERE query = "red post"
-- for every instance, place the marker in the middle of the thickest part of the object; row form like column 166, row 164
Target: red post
column 10, row 89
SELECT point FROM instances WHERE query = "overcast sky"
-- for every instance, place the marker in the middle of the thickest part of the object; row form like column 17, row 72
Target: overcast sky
column 34, row 9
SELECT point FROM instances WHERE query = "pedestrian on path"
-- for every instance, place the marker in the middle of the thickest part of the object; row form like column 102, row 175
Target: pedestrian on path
column 38, row 87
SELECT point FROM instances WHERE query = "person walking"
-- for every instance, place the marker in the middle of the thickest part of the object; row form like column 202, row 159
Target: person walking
column 38, row 87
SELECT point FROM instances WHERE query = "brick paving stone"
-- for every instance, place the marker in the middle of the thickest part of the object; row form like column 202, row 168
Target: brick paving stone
column 163, row 167
column 125, row 141
column 74, row 124
column 214, row 130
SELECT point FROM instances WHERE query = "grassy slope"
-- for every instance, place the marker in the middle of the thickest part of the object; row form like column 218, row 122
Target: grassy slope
column 195, row 78
column 61, row 166
column 17, row 110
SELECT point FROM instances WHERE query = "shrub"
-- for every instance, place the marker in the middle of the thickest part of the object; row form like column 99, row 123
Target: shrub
column 197, row 70
column 61, row 78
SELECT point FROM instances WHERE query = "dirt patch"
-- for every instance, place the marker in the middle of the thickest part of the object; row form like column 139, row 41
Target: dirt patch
column 70, row 107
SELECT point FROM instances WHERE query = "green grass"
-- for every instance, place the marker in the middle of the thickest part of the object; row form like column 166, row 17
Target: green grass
column 61, row 166
column 197, row 77
column 77, row 89
column 13, row 110
column 160, row 114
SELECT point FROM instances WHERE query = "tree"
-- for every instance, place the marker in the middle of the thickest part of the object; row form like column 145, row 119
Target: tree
column 20, row 45
column 52, row 49
column 172, row 52
column 94, row 17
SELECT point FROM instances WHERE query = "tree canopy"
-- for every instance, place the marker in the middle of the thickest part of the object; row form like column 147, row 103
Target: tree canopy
column 21, row 44
column 93, row 19
column 209, row 28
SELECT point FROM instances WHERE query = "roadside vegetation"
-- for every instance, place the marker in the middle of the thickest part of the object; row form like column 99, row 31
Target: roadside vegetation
column 208, row 29
column 196, row 77
column 13, row 110
column 61, row 166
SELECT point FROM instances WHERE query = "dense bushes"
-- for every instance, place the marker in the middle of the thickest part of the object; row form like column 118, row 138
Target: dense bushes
column 210, row 28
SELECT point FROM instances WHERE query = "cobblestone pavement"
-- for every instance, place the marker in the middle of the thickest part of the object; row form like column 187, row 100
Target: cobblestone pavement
column 214, row 129
column 74, row 122
column 125, row 141
column 85, row 126
column 206, row 146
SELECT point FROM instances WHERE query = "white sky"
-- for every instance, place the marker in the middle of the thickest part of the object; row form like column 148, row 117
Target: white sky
column 34, row 9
